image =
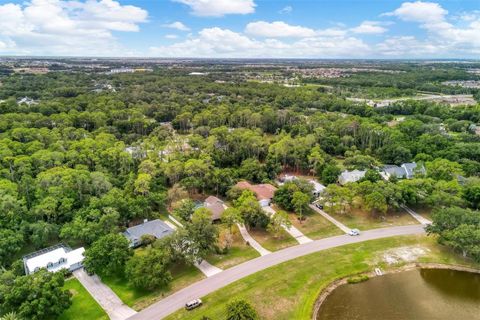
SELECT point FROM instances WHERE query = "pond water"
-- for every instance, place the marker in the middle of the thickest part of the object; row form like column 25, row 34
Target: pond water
column 423, row 294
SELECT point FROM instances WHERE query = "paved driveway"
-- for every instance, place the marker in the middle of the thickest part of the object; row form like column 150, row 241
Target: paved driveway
column 294, row 232
column 340, row 225
column 105, row 297
column 199, row 289
column 253, row 243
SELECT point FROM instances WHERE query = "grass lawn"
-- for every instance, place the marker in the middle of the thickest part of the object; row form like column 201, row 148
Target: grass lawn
column 364, row 221
column 238, row 253
column 139, row 299
column 315, row 226
column 289, row 290
column 269, row 242
column 83, row 307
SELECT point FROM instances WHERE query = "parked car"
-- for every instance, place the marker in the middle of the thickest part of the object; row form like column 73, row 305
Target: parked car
column 319, row 206
column 354, row 232
column 193, row 304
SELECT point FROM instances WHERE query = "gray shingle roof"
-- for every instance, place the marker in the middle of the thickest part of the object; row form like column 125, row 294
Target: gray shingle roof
column 156, row 228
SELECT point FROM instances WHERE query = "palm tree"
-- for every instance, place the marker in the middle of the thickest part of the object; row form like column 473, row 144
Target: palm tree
column 10, row 316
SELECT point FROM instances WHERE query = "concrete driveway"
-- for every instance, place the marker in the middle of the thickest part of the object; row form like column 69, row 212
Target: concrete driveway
column 199, row 289
column 105, row 297
column 339, row 225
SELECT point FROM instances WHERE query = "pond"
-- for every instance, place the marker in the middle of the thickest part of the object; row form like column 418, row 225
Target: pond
column 421, row 294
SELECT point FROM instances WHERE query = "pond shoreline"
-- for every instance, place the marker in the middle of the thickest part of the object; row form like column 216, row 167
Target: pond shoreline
column 412, row 266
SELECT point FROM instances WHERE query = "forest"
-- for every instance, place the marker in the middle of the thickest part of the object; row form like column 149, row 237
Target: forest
column 94, row 153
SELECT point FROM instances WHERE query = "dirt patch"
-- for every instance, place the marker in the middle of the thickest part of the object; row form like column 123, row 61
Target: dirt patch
column 404, row 254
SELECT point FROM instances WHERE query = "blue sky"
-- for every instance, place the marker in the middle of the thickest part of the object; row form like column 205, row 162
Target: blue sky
column 242, row 28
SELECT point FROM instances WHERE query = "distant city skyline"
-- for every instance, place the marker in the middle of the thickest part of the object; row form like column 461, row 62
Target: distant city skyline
column 241, row 29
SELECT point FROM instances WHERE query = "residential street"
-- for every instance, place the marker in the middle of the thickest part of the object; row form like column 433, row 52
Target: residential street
column 199, row 289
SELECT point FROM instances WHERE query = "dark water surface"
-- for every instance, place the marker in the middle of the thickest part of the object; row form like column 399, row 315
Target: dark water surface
column 424, row 294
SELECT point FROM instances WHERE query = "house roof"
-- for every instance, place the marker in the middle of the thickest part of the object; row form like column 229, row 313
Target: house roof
column 351, row 176
column 399, row 172
column 262, row 191
column 156, row 228
column 42, row 258
column 216, row 206
column 318, row 187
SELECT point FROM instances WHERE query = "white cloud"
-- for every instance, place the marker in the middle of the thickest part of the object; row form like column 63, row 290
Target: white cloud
column 68, row 27
column 408, row 46
column 177, row 25
column 217, row 42
column 369, row 27
column 419, row 11
column 277, row 29
column 464, row 39
column 219, row 8
column 171, row 36
column 286, row 10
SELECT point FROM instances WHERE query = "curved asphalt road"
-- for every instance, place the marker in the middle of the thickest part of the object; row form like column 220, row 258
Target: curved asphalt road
column 201, row 288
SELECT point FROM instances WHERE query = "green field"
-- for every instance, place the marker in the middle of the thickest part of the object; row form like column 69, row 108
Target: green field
column 139, row 299
column 289, row 290
column 364, row 221
column 269, row 242
column 315, row 226
column 238, row 253
column 83, row 307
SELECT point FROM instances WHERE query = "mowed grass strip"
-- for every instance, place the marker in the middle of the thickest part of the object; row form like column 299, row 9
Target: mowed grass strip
column 83, row 307
column 238, row 253
column 138, row 298
column 365, row 221
column 270, row 242
column 289, row 290
column 314, row 226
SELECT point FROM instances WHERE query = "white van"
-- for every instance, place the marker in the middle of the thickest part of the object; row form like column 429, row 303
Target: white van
column 193, row 304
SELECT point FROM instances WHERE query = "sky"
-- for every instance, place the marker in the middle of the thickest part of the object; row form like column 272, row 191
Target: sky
column 321, row 29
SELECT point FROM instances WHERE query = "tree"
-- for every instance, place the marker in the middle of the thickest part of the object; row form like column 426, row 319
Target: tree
column 201, row 233
column 277, row 222
column 231, row 216
column 376, row 202
column 458, row 228
column 250, row 210
column 37, row 296
column 337, row 199
column 241, row 310
column 184, row 209
column 443, row 169
column 373, row 176
column 149, row 270
column 330, row 173
column 10, row 243
column 300, row 202
column 472, row 193
column 107, row 256
column 10, row 316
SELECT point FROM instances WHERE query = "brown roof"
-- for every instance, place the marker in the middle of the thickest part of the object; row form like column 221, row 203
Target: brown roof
column 216, row 206
column 262, row 191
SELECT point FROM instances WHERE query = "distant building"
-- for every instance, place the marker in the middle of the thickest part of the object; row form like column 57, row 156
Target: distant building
column 405, row 171
column 26, row 100
column 197, row 73
column 351, row 176
column 318, row 188
column 216, row 206
column 156, row 228
column 56, row 258
column 263, row 192
column 122, row 70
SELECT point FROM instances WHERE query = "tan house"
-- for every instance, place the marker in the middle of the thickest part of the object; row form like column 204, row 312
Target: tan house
column 264, row 192
column 216, row 206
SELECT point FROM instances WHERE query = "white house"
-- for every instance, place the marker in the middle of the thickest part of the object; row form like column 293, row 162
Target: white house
column 54, row 259
column 351, row 176
column 318, row 188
